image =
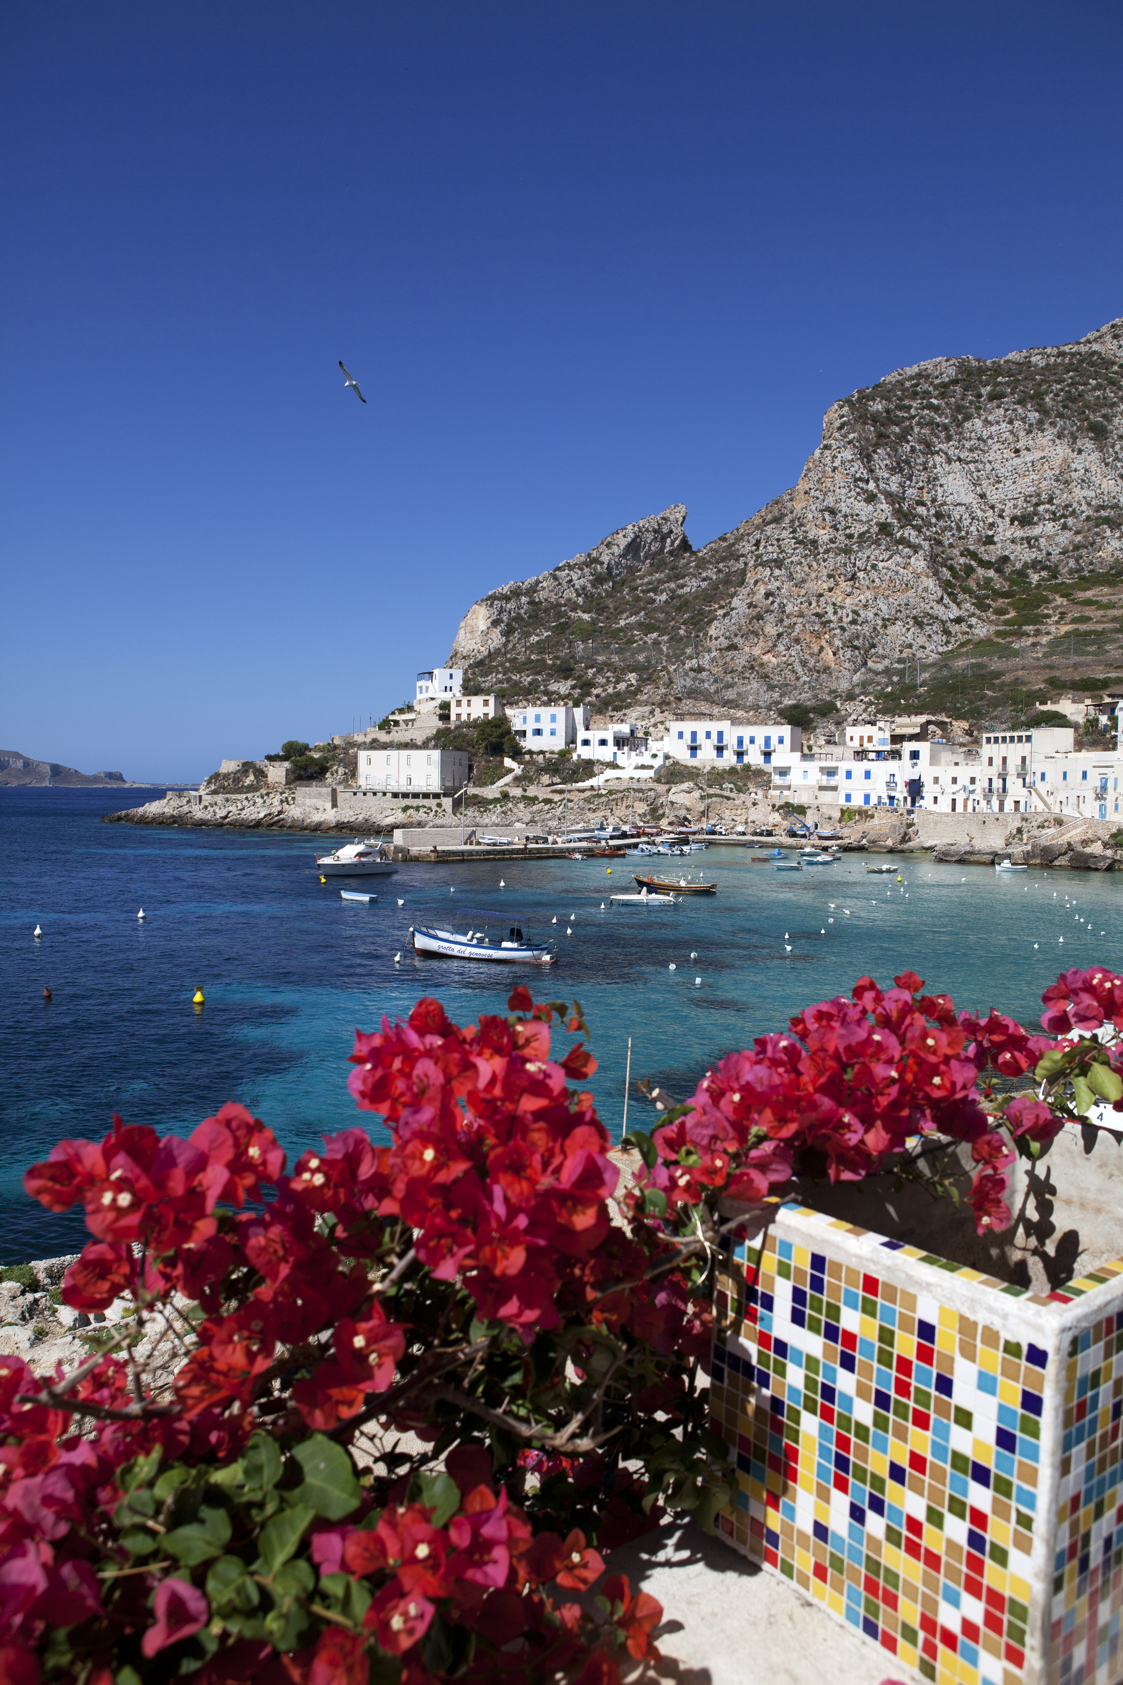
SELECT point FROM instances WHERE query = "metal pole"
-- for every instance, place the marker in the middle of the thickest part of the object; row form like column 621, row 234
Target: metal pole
column 627, row 1084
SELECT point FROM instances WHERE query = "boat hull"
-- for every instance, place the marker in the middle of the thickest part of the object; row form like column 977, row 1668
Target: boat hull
column 354, row 868
column 448, row 945
column 662, row 886
column 356, row 895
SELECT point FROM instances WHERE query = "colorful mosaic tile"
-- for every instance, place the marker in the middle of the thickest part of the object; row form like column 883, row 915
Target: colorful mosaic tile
column 933, row 1455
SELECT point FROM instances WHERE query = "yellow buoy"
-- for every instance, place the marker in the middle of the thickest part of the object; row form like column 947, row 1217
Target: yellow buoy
column 898, row 877
column 322, row 878
column 197, row 998
column 608, row 869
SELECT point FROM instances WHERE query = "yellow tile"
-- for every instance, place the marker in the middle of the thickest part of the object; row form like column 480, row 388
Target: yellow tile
column 983, row 1453
column 891, row 1556
column 879, row 1462
column 988, row 1360
column 908, row 1655
column 834, row 1603
column 998, row 1577
column 919, row 1441
column 1000, row 1530
column 906, row 1346
column 1019, row 1588
column 948, row 1317
column 819, row 1590
column 1009, row 1392
column 867, row 1327
column 934, row 1540
column 802, row 1257
column 945, row 1340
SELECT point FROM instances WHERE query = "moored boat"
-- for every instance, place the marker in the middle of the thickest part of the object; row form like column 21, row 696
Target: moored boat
column 1007, row 866
column 646, row 899
column 481, row 944
column 366, row 859
column 356, row 895
column 673, row 886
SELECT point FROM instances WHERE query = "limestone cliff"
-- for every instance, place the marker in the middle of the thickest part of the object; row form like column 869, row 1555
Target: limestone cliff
column 960, row 497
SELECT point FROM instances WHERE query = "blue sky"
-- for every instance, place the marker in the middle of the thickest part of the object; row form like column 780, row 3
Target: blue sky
column 585, row 259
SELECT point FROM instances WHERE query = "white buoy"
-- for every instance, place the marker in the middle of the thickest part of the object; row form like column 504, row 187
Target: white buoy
column 502, row 883
column 397, row 959
column 787, row 947
column 568, row 931
column 142, row 914
column 602, row 906
column 785, row 936
column 554, row 920
column 823, row 932
column 672, row 966
column 1060, row 938
column 830, row 921
column 697, row 982
column 694, row 953
column 401, row 903
column 1037, row 944
column 37, row 933
column 451, row 890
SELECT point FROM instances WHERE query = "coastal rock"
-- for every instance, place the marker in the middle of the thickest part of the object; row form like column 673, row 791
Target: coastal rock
column 926, row 491
column 1091, row 860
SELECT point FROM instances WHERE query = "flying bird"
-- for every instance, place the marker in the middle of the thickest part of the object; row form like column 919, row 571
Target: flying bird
column 353, row 383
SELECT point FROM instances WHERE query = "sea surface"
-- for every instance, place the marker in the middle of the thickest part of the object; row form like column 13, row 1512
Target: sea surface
column 289, row 970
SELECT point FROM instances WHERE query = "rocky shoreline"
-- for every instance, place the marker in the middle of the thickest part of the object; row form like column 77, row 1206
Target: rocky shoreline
column 1045, row 840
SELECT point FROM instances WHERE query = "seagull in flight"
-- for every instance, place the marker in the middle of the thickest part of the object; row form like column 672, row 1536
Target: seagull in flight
column 352, row 382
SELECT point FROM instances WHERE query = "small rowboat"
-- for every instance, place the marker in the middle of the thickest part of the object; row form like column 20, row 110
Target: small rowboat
column 355, row 895
column 646, row 900
column 669, row 886
column 478, row 945
column 1007, row 866
column 788, row 866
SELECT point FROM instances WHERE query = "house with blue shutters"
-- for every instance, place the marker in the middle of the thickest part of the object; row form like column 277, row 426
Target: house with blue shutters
column 550, row 726
column 730, row 742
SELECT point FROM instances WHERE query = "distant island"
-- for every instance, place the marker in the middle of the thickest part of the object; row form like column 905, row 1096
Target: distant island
column 25, row 770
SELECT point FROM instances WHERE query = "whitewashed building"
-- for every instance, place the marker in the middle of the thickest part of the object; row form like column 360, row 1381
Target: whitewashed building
column 419, row 774
column 550, row 727
column 619, row 745
column 439, row 684
column 730, row 741
column 465, row 710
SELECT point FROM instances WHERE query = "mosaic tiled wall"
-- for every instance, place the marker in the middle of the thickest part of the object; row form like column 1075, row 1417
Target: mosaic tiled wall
column 888, row 1449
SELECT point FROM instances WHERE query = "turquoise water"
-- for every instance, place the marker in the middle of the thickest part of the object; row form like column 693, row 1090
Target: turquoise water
column 290, row 970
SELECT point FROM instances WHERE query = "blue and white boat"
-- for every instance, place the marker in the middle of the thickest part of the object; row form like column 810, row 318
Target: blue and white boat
column 483, row 941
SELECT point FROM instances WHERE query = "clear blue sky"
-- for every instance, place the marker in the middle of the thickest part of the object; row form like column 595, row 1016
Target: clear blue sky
column 585, row 258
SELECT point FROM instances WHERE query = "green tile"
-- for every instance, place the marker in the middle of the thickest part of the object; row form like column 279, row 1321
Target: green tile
column 1004, row 1486
column 963, row 1418
column 1012, row 1348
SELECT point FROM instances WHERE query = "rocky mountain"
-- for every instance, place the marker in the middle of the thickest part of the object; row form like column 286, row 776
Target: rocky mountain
column 953, row 505
column 22, row 769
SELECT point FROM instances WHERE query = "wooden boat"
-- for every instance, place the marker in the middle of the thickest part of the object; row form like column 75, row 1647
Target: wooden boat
column 646, row 899
column 759, row 860
column 671, row 886
column 476, row 944
column 356, row 895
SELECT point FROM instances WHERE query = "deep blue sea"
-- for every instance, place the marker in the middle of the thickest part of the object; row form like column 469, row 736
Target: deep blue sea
column 289, row 970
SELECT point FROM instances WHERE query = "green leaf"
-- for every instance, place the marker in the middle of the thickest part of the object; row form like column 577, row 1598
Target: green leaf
column 639, row 1141
column 441, row 1494
column 230, row 1588
column 280, row 1537
column 127, row 1676
column 437, row 1649
column 330, row 1484
column 170, row 1482
column 654, row 1202
column 138, row 1541
column 140, row 1472
column 1102, row 1080
column 262, row 1462
column 710, row 1505
column 1049, row 1064
column 349, row 1598
column 1083, row 1095
column 286, row 1627
column 200, row 1540
column 295, row 1579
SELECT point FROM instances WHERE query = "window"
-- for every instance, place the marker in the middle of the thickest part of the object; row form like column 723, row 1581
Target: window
column 428, row 760
column 869, row 775
column 806, row 775
column 849, row 775
column 740, row 743
column 409, row 782
column 586, row 742
column 602, row 742
column 693, row 752
column 537, row 718
column 914, row 754
column 536, row 731
column 428, row 780
column 707, row 737
column 721, row 737
column 694, row 737
column 866, row 799
column 1064, row 777
column 409, row 760
column 553, row 731
column 752, row 740
column 387, row 760
column 720, row 752
column 1084, row 777
column 780, row 740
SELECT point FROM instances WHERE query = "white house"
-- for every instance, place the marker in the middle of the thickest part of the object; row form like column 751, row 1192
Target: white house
column 872, row 739
column 439, row 684
column 465, row 710
column 419, row 774
column 731, row 741
column 619, row 745
column 552, row 726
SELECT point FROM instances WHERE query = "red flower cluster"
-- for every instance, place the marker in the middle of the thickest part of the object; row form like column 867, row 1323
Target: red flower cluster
column 1083, row 1000
column 854, row 1080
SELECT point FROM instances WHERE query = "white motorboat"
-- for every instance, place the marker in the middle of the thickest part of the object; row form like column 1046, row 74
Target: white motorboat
column 817, row 857
column 356, row 895
column 366, row 859
column 1007, row 866
column 481, row 944
column 646, row 899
